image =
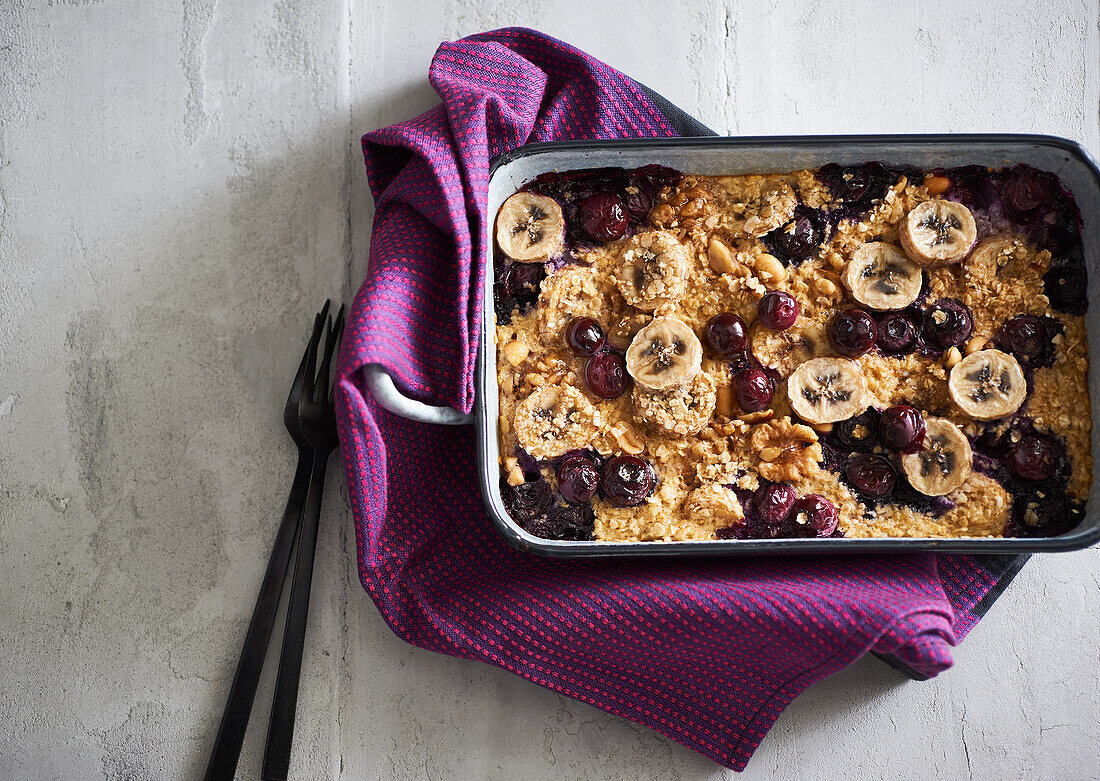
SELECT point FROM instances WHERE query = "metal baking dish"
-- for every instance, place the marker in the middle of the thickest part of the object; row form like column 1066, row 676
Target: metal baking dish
column 709, row 155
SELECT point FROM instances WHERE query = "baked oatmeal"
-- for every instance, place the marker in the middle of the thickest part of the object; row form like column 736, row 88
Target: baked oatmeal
column 856, row 351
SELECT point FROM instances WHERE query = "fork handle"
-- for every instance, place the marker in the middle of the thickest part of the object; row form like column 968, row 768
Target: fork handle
column 238, row 706
column 280, row 730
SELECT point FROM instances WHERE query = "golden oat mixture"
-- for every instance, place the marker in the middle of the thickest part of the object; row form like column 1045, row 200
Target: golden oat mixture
column 857, row 351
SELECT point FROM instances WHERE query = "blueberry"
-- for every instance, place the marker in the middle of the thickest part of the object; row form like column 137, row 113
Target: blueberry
column 604, row 216
column 901, row 427
column 626, row 481
column 896, row 334
column 606, row 375
column 974, row 185
column 725, row 335
column 948, row 323
column 1026, row 191
column 815, row 516
column 754, row 389
column 1065, row 286
column 777, row 311
column 1035, row 458
column 578, row 479
column 801, row 237
column 584, row 336
column 852, row 332
column 772, row 503
column 859, row 433
column 873, row 476
column 527, row 500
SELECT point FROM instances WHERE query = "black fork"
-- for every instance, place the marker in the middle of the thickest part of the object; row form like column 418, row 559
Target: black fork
column 242, row 693
column 317, row 422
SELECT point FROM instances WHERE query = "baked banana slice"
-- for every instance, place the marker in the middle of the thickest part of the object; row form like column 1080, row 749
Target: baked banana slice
column 987, row 385
column 938, row 233
column 880, row 276
column 652, row 270
column 554, row 420
column 785, row 350
column 530, row 227
column 664, row 354
column 943, row 462
column 680, row 411
column 827, row 390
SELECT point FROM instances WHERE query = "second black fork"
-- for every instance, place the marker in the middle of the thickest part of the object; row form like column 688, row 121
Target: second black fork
column 317, row 423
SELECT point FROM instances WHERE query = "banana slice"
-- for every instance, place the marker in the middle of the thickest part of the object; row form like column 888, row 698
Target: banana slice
column 680, row 411
column 943, row 462
column 827, row 390
column 554, row 420
column 881, row 277
column 530, row 227
column 664, row 354
column 567, row 293
column 987, row 385
column 785, row 350
column 938, row 233
column 652, row 270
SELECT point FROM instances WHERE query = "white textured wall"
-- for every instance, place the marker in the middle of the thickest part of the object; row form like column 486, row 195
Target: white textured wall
column 180, row 186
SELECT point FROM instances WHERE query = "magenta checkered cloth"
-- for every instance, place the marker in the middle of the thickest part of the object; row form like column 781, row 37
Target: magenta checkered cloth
column 708, row 652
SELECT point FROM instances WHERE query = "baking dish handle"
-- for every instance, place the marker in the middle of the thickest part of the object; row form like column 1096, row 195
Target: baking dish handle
column 385, row 392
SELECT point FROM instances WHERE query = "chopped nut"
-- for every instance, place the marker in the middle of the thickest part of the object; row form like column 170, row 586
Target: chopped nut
column 951, row 357
column 720, row 258
column 936, row 185
column 516, row 352
column 769, row 269
column 975, row 344
column 515, row 476
column 628, row 438
column 724, row 404
column 825, row 287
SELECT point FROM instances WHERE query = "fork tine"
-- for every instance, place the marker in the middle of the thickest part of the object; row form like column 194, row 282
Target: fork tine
column 311, row 351
column 337, row 336
column 332, row 338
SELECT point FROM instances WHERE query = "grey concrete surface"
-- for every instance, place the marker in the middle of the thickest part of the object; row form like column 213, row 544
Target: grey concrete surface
column 181, row 186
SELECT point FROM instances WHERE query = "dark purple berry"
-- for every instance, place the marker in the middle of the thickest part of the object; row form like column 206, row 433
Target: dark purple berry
column 1061, row 234
column 1035, row 458
column 564, row 523
column 604, row 217
column 572, row 523
column 948, row 323
column 773, row 503
column 606, row 375
column 872, row 476
column 858, row 433
column 527, row 500
column 856, row 185
column 1026, row 191
column 852, row 332
column 626, row 481
column 725, row 335
column 801, row 237
column 1043, row 513
column 578, row 479
column 754, row 389
column 901, row 427
column 973, row 185
column 584, row 336
column 815, row 516
column 517, row 287
column 777, row 311
column 896, row 335
column 1025, row 336
column 1065, row 286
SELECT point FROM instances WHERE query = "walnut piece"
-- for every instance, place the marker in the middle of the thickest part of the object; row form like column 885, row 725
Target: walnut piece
column 786, row 451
